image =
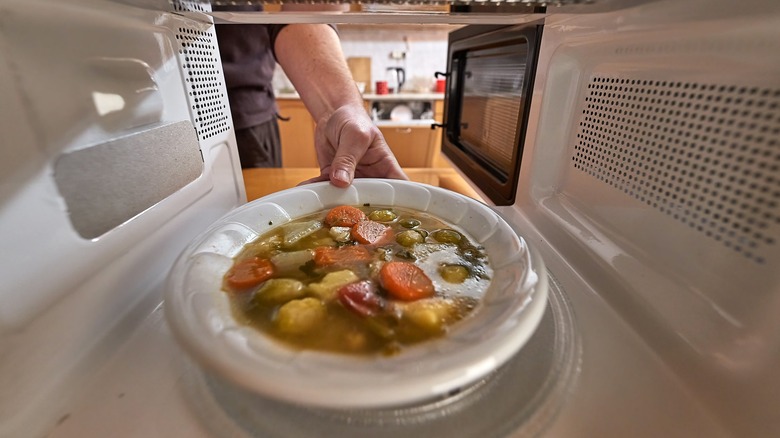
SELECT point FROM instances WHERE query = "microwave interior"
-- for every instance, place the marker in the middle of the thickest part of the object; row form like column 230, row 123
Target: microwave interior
column 648, row 133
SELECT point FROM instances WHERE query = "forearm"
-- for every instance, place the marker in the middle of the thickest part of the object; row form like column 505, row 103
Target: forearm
column 347, row 142
column 311, row 56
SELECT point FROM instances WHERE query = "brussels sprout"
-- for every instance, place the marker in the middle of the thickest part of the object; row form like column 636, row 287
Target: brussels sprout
column 454, row 273
column 409, row 237
column 409, row 223
column 447, row 236
column 382, row 215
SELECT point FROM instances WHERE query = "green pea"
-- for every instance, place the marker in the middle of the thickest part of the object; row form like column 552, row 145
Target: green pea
column 409, row 223
column 454, row 273
column 409, row 237
column 382, row 215
column 447, row 236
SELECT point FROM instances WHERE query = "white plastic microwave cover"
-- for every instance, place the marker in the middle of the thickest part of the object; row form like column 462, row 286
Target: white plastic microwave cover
column 199, row 313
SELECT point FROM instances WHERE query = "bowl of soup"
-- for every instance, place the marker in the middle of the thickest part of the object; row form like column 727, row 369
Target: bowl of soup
column 384, row 294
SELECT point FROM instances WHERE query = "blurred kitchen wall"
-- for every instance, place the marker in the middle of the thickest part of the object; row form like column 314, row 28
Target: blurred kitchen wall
column 424, row 49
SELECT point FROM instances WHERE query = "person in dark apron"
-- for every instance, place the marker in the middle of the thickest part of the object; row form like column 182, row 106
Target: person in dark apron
column 347, row 143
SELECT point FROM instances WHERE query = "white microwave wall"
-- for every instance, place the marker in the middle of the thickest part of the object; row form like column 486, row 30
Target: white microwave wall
column 652, row 168
column 117, row 147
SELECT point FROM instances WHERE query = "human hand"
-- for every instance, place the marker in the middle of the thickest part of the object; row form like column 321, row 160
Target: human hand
column 349, row 146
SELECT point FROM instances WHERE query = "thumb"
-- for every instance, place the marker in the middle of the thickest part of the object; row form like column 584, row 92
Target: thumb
column 342, row 170
column 352, row 137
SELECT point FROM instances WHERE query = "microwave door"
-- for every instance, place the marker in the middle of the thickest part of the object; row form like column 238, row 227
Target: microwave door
column 492, row 99
column 491, row 75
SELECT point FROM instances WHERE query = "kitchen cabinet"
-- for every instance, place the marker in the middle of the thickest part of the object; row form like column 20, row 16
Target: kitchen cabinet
column 414, row 144
column 417, row 145
column 296, row 131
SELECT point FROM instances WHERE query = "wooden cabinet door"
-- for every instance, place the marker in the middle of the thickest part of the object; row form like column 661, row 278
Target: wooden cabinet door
column 297, row 134
column 416, row 146
column 412, row 146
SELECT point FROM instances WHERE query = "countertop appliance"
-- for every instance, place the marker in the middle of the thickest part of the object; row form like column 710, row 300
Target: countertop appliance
column 649, row 182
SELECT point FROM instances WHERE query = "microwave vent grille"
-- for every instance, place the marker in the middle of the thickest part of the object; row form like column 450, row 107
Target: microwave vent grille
column 191, row 5
column 705, row 154
column 199, row 57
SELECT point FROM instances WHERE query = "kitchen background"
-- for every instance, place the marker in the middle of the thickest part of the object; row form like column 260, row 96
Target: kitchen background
column 420, row 49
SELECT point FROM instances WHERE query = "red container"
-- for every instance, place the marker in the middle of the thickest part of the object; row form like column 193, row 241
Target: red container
column 440, row 85
column 381, row 87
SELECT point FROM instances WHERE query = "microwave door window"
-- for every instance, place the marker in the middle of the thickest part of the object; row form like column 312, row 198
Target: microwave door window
column 492, row 100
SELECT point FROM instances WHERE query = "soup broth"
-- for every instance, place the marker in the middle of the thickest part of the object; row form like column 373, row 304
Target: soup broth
column 358, row 280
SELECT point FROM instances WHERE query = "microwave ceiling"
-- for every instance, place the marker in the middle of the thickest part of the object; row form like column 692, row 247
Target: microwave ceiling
column 394, row 2
column 391, row 11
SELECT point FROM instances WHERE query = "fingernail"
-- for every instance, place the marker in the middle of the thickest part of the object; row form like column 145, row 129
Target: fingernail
column 342, row 175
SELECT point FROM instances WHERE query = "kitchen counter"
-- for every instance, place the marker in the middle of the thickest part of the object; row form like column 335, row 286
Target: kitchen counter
column 403, row 96
column 379, row 97
column 413, row 123
column 262, row 181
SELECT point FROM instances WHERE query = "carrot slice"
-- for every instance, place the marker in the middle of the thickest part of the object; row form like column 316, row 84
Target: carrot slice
column 405, row 281
column 370, row 232
column 344, row 216
column 249, row 272
column 329, row 256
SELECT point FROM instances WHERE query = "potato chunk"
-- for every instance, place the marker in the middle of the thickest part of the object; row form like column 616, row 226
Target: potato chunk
column 279, row 290
column 431, row 315
column 300, row 316
column 327, row 287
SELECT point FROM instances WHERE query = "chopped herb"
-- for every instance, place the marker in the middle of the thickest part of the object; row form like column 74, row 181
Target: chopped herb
column 309, row 268
column 406, row 255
